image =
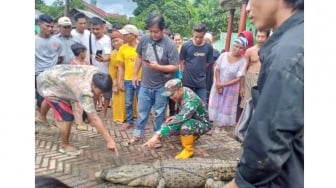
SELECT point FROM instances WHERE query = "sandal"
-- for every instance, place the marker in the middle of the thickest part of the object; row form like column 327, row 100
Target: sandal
column 126, row 126
column 70, row 152
column 81, row 127
column 43, row 123
column 133, row 140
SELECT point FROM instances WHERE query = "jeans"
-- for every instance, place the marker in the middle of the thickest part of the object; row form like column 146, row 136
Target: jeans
column 147, row 99
column 129, row 98
column 201, row 92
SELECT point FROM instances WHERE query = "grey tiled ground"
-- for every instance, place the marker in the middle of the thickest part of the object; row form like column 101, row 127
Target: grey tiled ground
column 79, row 171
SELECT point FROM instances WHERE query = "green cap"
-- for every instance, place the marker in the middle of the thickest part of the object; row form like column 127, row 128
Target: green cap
column 172, row 86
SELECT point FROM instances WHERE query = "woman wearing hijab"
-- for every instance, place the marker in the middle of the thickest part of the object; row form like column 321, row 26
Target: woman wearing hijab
column 229, row 70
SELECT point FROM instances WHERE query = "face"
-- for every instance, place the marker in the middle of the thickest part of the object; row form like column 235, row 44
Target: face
column 65, row 30
column 97, row 30
column 46, row 29
column 96, row 91
column 56, row 29
column 83, row 54
column 261, row 38
column 81, row 25
column 117, row 42
column 262, row 13
column 129, row 38
column 177, row 40
column 177, row 95
column 237, row 49
column 156, row 33
column 198, row 37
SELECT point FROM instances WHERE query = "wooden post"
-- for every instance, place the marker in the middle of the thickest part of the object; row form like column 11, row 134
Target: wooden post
column 229, row 30
column 242, row 21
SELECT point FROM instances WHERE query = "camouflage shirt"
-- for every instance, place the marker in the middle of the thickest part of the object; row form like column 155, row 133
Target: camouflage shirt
column 68, row 83
column 191, row 107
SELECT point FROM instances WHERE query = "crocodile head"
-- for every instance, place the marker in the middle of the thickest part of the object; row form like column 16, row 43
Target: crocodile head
column 133, row 175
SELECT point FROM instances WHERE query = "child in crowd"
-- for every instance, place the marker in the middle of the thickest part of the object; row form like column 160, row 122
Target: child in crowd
column 79, row 51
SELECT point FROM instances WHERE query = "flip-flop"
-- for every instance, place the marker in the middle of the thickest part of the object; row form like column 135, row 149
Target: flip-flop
column 70, row 152
column 81, row 127
column 126, row 126
column 43, row 123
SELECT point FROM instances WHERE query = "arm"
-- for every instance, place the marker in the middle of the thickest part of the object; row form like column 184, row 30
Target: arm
column 101, row 129
column 103, row 58
column 59, row 60
column 163, row 68
column 121, row 73
column 233, row 81
column 182, row 63
column 242, row 81
column 138, row 64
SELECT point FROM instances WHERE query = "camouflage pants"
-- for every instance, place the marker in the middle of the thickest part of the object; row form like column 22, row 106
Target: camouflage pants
column 188, row 127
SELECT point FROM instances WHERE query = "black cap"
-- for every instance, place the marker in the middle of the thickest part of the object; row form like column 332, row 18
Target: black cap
column 96, row 20
column 45, row 18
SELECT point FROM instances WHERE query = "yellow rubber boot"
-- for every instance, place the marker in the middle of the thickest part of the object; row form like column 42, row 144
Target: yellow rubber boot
column 187, row 143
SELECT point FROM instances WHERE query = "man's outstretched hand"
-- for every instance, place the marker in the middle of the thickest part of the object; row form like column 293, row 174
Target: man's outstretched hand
column 112, row 146
column 152, row 141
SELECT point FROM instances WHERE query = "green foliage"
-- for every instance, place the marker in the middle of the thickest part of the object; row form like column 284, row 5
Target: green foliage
column 57, row 8
column 180, row 15
column 122, row 21
column 140, row 19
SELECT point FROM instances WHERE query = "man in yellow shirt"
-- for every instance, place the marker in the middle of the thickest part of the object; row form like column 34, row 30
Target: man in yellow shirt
column 126, row 58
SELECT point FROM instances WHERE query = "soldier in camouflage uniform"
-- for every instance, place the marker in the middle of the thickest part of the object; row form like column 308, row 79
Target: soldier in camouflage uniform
column 191, row 121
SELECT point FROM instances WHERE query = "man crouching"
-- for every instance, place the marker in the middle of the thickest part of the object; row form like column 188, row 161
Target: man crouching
column 62, row 84
column 191, row 121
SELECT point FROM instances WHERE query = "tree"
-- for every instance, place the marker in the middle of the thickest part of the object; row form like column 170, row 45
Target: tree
column 179, row 15
column 182, row 15
column 57, row 8
column 116, row 20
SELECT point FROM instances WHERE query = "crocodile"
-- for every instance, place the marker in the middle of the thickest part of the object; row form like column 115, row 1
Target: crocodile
column 193, row 172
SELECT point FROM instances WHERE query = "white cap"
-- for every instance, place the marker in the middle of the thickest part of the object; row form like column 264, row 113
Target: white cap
column 129, row 29
column 64, row 21
column 208, row 36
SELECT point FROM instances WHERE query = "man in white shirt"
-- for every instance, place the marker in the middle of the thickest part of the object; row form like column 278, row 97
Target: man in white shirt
column 101, row 50
column 81, row 32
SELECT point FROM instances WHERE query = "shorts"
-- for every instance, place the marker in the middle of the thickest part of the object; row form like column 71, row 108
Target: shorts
column 39, row 98
column 62, row 110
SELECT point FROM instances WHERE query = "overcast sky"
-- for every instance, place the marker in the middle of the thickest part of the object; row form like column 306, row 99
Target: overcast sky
column 111, row 6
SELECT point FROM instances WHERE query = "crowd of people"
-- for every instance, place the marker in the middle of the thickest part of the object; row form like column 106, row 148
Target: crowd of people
column 83, row 70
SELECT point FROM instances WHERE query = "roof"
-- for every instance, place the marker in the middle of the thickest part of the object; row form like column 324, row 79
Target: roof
column 100, row 11
column 230, row 4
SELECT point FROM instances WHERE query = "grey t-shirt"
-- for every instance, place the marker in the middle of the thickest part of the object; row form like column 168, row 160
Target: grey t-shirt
column 167, row 54
column 67, row 53
column 47, row 51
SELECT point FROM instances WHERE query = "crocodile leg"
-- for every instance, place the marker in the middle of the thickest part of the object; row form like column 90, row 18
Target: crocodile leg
column 162, row 183
column 210, row 183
